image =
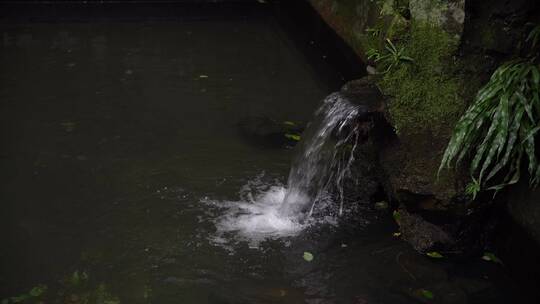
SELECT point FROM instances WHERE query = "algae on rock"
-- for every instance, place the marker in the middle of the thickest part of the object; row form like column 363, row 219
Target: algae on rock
column 426, row 93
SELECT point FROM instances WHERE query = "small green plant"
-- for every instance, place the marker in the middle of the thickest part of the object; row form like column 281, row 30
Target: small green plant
column 374, row 32
column 390, row 58
column 500, row 127
column 473, row 188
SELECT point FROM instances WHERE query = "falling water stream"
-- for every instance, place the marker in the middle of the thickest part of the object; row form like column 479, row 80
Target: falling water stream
column 320, row 164
column 316, row 179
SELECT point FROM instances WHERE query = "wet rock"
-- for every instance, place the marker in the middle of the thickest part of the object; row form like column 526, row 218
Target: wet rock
column 421, row 234
column 365, row 93
column 366, row 172
column 497, row 28
column 411, row 166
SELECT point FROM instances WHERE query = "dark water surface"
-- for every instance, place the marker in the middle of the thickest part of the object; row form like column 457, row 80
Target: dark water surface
column 115, row 133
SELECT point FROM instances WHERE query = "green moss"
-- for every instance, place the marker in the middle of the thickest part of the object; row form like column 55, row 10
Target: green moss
column 426, row 92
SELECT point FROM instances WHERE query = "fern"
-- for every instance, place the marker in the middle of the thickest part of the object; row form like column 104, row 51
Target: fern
column 500, row 128
column 390, row 57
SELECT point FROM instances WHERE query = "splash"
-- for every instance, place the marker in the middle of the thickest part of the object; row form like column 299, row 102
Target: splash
column 315, row 181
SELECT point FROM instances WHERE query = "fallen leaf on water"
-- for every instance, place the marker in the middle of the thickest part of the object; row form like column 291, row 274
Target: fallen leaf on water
column 308, row 256
column 490, row 257
column 435, row 255
column 293, row 137
column 426, row 294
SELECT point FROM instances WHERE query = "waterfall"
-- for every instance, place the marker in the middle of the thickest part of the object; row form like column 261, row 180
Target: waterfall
column 325, row 158
column 317, row 176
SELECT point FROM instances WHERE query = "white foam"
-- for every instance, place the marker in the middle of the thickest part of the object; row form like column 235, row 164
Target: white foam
column 258, row 219
column 269, row 212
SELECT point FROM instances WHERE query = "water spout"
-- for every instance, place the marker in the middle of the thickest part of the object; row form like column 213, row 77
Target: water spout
column 326, row 155
column 316, row 179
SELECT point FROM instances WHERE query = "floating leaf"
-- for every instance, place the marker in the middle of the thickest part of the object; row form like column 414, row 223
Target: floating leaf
column 435, row 255
column 490, row 257
column 382, row 205
column 289, row 123
column 308, row 256
column 426, row 294
column 293, row 137
column 203, row 76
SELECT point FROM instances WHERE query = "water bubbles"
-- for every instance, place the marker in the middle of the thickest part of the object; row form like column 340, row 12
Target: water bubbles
column 257, row 218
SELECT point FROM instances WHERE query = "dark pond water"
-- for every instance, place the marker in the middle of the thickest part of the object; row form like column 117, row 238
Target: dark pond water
column 121, row 138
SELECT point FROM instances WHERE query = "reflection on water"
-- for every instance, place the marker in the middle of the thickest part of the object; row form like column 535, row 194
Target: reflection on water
column 119, row 140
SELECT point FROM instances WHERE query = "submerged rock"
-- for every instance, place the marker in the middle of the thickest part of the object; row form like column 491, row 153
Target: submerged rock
column 421, row 234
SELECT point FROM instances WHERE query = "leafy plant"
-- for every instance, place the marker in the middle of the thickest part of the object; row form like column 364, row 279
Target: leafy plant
column 473, row 188
column 391, row 57
column 374, row 32
column 534, row 36
column 499, row 128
